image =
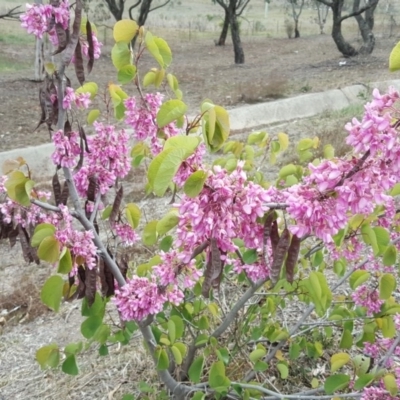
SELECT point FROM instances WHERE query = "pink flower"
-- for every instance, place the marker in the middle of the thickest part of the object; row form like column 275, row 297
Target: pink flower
column 139, row 298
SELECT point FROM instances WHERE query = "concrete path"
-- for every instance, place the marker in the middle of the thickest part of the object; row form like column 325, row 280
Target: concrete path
column 247, row 117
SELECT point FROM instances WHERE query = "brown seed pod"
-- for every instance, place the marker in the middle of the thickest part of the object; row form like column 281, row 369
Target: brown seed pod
column 279, row 255
column 267, row 232
column 274, row 235
column 292, row 256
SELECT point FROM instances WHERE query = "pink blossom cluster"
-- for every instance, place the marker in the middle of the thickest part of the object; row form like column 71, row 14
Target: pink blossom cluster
column 191, row 164
column 142, row 119
column 81, row 100
column 39, row 18
column 107, row 160
column 141, row 297
column 80, row 243
column 27, row 217
column 368, row 298
column 375, row 132
column 255, row 271
column 226, row 208
column 377, row 393
column 126, row 233
column 66, row 149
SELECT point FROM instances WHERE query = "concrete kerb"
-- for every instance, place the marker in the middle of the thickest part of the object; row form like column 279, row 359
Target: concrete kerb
column 246, row 117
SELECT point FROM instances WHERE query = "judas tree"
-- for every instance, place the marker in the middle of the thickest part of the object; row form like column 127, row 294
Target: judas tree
column 364, row 15
column 234, row 291
column 233, row 9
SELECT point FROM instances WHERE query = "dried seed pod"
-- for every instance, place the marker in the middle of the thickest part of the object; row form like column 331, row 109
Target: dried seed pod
column 56, row 189
column 279, row 255
column 116, row 205
column 213, row 271
column 274, row 235
column 292, row 256
column 267, row 231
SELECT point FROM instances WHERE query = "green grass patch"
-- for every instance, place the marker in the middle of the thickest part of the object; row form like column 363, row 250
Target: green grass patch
column 16, row 38
column 7, row 65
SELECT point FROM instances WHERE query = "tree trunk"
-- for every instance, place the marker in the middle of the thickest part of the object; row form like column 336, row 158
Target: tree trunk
column 116, row 9
column 344, row 47
column 224, row 32
column 296, row 29
column 237, row 44
column 143, row 14
column 366, row 25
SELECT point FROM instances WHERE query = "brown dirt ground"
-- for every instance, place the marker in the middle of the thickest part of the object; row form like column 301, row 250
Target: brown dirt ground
column 274, row 68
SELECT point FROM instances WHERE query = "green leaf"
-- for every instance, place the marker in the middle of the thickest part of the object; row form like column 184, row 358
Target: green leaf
column 171, row 330
column 90, row 325
column 88, row 87
column 195, row 183
column 256, row 354
column 346, row 341
column 196, row 369
column 363, row 381
column 126, row 74
column 42, row 231
column 394, row 58
column 396, row 188
column 215, row 126
column 69, row 366
column 159, row 49
column 389, row 381
column 125, row 30
column 163, row 168
column 133, row 213
column 388, row 327
column 189, row 143
column 216, row 376
column 223, row 355
column 260, row 366
column 48, row 356
column 97, row 308
column 369, row 237
column 283, row 369
column 92, row 116
column 338, row 360
column 162, row 359
column 256, row 137
column 103, row 350
column 65, row 264
column 203, row 323
column 167, row 222
column 250, row 256
column 283, row 139
column 329, row 151
column 387, row 283
column 73, row 348
column 287, row 170
column 149, row 236
column 19, row 187
column 49, row 249
column 336, row 382
column 179, row 326
column 166, row 243
column 52, row 291
column 177, row 355
column 390, row 255
column 357, row 278
column 305, row 144
column 121, row 56
column 170, row 111
column 199, row 396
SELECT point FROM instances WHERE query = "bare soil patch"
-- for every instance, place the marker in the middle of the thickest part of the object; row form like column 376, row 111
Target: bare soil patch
column 274, row 68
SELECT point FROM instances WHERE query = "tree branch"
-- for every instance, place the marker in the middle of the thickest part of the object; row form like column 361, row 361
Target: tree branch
column 326, row 2
column 12, row 14
column 160, row 6
column 358, row 12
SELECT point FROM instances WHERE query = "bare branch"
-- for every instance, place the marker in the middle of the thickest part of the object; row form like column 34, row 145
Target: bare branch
column 160, row 6
column 11, row 14
column 326, row 2
column 359, row 11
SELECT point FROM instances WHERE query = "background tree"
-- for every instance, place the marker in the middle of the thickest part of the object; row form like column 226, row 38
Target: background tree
column 296, row 9
column 233, row 9
column 365, row 24
column 117, row 8
column 322, row 12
